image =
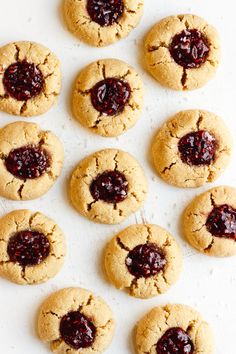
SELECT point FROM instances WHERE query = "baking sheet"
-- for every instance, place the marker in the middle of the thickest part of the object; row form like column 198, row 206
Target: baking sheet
column 207, row 284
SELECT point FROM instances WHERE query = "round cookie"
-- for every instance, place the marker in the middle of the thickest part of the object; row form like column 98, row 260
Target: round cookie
column 209, row 222
column 173, row 329
column 143, row 259
column 108, row 97
column 30, row 161
column 192, row 148
column 73, row 320
column 108, row 186
column 30, row 78
column 100, row 23
column 182, row 52
column 32, row 247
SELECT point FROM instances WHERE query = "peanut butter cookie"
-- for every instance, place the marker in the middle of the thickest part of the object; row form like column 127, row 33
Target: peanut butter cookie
column 173, row 329
column 209, row 222
column 108, row 97
column 32, row 247
column 108, row 186
column 30, row 161
column 143, row 259
column 73, row 320
column 192, row 148
column 182, row 52
column 102, row 22
column 30, row 78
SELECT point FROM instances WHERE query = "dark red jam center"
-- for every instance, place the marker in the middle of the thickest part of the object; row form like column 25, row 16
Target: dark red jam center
column 105, row 12
column 197, row 148
column 221, row 222
column 77, row 330
column 27, row 162
column 23, row 80
column 145, row 260
column 28, row 248
column 175, row 341
column 110, row 96
column 110, row 186
column 190, row 48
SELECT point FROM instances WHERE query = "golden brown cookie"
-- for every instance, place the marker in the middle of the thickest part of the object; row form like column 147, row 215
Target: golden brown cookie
column 182, row 52
column 30, row 78
column 209, row 222
column 192, row 148
column 108, row 97
column 32, row 247
column 30, row 161
column 73, row 320
column 173, row 329
column 108, row 186
column 143, row 259
column 102, row 22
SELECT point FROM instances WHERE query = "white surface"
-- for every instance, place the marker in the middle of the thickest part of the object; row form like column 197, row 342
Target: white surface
column 207, row 284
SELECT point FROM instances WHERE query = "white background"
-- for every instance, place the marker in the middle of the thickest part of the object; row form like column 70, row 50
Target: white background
column 208, row 284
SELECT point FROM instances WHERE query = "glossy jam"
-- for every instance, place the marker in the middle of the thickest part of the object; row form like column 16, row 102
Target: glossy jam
column 175, row 341
column 110, row 96
column 197, row 148
column 28, row 248
column 23, row 80
column 190, row 48
column 105, row 12
column 28, row 162
column 221, row 222
column 110, row 186
column 77, row 330
column 145, row 260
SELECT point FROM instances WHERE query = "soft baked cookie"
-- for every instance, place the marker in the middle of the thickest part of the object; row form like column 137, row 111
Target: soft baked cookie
column 182, row 52
column 73, row 320
column 108, row 97
column 143, row 259
column 32, row 247
column 30, row 161
column 209, row 222
column 192, row 148
column 30, row 78
column 102, row 22
column 173, row 329
column 108, row 186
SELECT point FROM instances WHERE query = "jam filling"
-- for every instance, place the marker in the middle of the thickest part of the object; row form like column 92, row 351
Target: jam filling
column 110, row 186
column 221, row 222
column 28, row 162
column 197, row 148
column 77, row 330
column 145, row 260
column 190, row 48
column 105, row 12
column 23, row 80
column 110, row 96
column 175, row 341
column 28, row 248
